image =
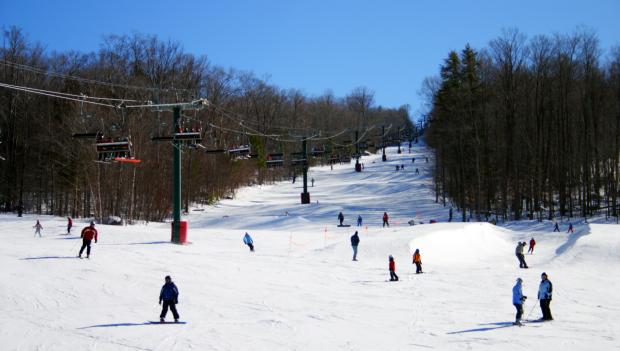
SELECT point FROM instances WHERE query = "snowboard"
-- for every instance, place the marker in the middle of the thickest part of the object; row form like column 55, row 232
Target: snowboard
column 166, row 322
column 343, row 225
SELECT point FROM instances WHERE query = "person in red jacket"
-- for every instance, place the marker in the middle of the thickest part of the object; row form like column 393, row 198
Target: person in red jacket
column 532, row 244
column 69, row 225
column 385, row 220
column 393, row 276
column 88, row 234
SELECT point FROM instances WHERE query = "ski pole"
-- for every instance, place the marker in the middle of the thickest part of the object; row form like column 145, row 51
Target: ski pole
column 532, row 310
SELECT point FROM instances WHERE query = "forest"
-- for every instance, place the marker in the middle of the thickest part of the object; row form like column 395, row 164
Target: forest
column 527, row 128
column 45, row 170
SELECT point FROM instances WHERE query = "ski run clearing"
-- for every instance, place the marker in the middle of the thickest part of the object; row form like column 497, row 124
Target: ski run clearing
column 300, row 290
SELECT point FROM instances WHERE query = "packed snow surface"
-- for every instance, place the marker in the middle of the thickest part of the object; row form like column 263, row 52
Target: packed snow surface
column 300, row 290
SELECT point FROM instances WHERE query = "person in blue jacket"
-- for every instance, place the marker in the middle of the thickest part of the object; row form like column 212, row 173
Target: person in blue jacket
column 517, row 300
column 247, row 239
column 544, row 295
column 170, row 296
column 355, row 241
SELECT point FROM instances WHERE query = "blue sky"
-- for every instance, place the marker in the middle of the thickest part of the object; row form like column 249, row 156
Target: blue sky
column 388, row 46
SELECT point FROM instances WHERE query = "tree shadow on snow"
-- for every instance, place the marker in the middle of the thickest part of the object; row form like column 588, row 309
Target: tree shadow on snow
column 113, row 325
column 572, row 239
column 498, row 325
column 47, row 258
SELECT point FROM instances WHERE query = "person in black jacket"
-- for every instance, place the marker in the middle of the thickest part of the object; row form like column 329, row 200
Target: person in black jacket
column 340, row 218
column 355, row 240
column 170, row 296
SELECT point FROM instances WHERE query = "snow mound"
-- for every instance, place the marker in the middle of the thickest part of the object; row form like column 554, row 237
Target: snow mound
column 462, row 244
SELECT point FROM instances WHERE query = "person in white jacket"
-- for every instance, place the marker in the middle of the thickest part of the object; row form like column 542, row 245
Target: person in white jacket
column 544, row 295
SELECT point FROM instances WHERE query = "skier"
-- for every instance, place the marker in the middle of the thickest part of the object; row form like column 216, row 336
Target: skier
column 397, row 168
column 69, row 225
column 556, row 227
column 517, row 300
column 37, row 229
column 570, row 228
column 417, row 171
column 88, row 234
column 413, row 160
column 426, row 159
column 355, row 241
column 519, row 253
column 359, row 220
column 169, row 294
column 247, row 239
column 544, row 295
column 340, row 218
column 393, row 276
column 402, row 167
column 532, row 244
column 312, row 181
column 385, row 220
column 417, row 260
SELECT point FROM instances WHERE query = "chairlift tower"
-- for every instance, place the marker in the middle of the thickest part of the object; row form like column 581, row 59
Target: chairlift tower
column 176, row 160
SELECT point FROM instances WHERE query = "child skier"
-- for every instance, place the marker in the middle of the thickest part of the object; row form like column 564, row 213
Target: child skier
column 37, row 228
column 417, row 260
column 169, row 294
column 247, row 239
column 69, row 225
column 517, row 300
column 532, row 244
column 393, row 276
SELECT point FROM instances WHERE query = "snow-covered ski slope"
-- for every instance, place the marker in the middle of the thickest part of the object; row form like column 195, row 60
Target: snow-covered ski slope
column 300, row 290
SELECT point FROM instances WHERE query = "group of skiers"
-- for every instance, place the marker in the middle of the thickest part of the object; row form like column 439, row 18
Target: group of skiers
column 545, row 290
column 38, row 227
column 417, row 258
column 88, row 234
column 385, row 219
column 556, row 227
column 519, row 252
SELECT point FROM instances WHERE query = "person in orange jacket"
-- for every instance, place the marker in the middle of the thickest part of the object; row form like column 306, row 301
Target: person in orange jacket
column 532, row 244
column 417, row 260
column 393, row 276
column 88, row 234
column 385, row 219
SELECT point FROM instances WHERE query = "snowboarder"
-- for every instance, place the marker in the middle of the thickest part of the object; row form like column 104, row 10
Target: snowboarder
column 355, row 241
column 544, row 295
column 517, row 300
column 417, row 260
column 519, row 253
column 69, row 225
column 393, row 276
column 556, row 227
column 385, row 220
column 37, row 228
column 88, row 234
column 532, row 244
column 312, row 181
column 169, row 294
column 340, row 218
column 359, row 220
column 247, row 239
column 570, row 228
